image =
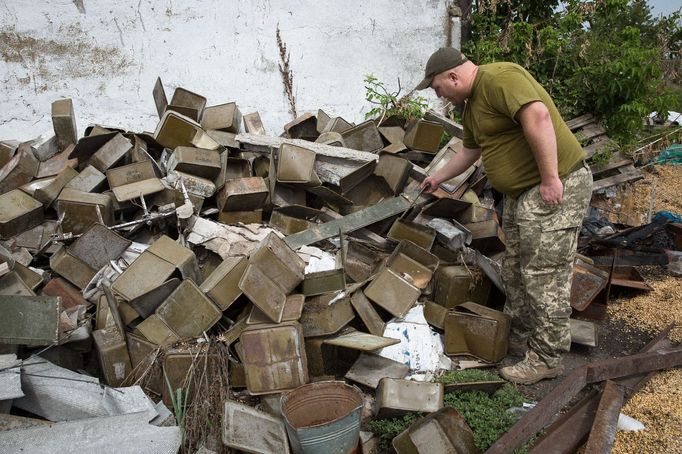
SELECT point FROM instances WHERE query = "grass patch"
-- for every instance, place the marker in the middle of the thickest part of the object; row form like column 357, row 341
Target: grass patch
column 466, row 376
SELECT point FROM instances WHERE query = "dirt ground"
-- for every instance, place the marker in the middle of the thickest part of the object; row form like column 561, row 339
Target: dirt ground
column 633, row 319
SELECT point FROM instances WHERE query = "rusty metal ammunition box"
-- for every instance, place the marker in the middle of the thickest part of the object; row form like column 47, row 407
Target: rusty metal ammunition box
column 64, row 123
column 20, row 169
column 263, row 291
column 293, row 307
column 361, row 261
column 176, row 130
column 319, row 318
column 113, row 355
column 89, row 180
column 419, row 234
column 49, row 193
column 274, row 358
column 364, row 136
column 71, row 268
column 195, row 161
column 435, row 314
column 18, row 212
column 111, row 153
column 369, row 368
column 288, row 224
column 12, row 284
column 156, row 331
column 324, row 282
column 414, row 263
column 241, row 217
column 129, row 316
column 223, row 117
column 424, row 136
column 57, row 163
column 31, row 187
column 146, row 304
column 29, row 320
column 187, row 311
column 392, row 292
column 459, row 284
column 396, row 397
column 393, row 134
column 302, row 127
column 142, row 356
column 180, row 367
column 186, row 101
column 487, row 236
column 395, row 170
column 136, row 190
column 368, row 314
column 296, row 165
column 331, row 138
column 30, row 277
column 242, row 194
column 80, row 210
column 279, row 262
column 372, row 190
column 237, row 168
column 222, row 286
column 253, row 124
column 442, row 431
column 250, row 430
column 131, row 173
column 70, row 295
column 183, row 258
column 477, row 330
column 337, row 124
column 98, row 246
column 195, row 185
column 147, row 272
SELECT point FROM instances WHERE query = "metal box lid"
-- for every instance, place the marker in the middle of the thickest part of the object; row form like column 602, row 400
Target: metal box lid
column 18, row 212
column 250, row 430
column 29, row 320
column 397, row 396
column 98, row 246
column 274, row 357
column 90, row 179
column 187, row 311
column 319, row 318
column 369, row 368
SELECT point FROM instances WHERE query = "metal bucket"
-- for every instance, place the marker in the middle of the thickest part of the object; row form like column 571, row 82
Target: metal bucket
column 323, row 417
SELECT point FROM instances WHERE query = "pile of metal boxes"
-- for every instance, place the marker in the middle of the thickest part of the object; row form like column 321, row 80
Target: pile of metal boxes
column 99, row 271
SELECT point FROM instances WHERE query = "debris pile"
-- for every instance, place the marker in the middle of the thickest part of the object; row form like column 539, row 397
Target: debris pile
column 199, row 270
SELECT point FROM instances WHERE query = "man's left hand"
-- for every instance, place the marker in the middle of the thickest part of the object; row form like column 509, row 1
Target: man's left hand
column 552, row 192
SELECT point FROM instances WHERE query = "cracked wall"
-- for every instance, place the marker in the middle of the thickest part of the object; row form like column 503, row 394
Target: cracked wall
column 107, row 55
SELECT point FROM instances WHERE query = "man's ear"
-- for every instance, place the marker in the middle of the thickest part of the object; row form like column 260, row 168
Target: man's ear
column 452, row 76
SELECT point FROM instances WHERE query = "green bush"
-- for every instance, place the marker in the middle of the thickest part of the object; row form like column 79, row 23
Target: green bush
column 602, row 57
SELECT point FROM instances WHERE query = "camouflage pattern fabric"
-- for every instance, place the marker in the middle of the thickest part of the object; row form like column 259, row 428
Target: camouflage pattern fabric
column 538, row 265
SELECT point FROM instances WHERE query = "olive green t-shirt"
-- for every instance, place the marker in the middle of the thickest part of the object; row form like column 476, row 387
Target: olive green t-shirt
column 499, row 91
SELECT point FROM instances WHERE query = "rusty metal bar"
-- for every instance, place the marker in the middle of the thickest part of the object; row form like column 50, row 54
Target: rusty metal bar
column 541, row 414
column 634, row 364
column 606, row 420
column 570, row 431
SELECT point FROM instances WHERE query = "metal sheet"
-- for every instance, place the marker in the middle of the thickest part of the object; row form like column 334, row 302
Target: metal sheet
column 250, row 430
column 10, row 377
column 29, row 320
column 368, row 314
column 587, row 282
column 357, row 340
column 368, row 369
column 319, row 318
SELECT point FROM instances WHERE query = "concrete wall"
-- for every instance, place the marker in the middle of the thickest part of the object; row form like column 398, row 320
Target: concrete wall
column 106, row 55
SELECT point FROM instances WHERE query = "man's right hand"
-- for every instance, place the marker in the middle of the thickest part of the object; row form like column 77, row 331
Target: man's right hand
column 429, row 184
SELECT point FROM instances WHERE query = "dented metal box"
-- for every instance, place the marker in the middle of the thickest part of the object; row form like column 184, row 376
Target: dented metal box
column 319, row 318
column 424, row 136
column 243, row 194
column 80, row 210
column 187, row 311
column 156, row 331
column 200, row 162
column 18, row 212
column 263, row 291
column 147, row 272
column 222, row 285
column 223, row 117
column 457, row 284
column 71, row 267
column 64, row 123
column 274, row 358
column 134, row 180
column 472, row 329
column 241, row 217
column 395, row 397
column 111, row 153
column 50, row 192
column 395, row 170
column 188, row 103
column 176, row 130
column 112, row 353
column 279, row 262
column 88, row 180
column 302, row 127
column 444, row 431
column 419, row 234
column 296, row 165
column 29, row 320
column 364, row 136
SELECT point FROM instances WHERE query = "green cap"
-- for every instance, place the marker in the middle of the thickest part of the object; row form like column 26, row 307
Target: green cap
column 441, row 60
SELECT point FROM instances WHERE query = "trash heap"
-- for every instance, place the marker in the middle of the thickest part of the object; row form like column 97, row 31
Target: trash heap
column 131, row 261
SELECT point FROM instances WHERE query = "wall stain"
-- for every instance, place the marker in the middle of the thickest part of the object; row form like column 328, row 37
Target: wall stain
column 48, row 61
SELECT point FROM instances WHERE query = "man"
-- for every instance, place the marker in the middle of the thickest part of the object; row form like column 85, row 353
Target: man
column 532, row 157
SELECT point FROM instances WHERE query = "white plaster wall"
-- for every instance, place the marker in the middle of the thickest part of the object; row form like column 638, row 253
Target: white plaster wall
column 106, row 55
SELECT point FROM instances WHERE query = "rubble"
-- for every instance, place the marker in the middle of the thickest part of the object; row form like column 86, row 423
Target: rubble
column 126, row 257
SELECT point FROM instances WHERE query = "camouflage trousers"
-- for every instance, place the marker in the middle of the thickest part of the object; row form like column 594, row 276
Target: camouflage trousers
column 538, row 265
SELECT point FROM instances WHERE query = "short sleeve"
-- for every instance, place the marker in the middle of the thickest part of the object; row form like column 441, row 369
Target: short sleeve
column 511, row 90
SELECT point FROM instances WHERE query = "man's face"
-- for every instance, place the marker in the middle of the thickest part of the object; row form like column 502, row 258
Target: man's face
column 449, row 85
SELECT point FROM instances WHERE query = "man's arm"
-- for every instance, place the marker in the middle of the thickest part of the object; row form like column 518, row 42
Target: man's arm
column 539, row 132
column 461, row 161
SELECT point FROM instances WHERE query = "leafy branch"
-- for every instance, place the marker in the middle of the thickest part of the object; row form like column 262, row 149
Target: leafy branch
column 388, row 104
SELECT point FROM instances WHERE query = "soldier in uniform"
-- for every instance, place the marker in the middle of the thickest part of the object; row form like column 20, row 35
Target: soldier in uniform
column 530, row 156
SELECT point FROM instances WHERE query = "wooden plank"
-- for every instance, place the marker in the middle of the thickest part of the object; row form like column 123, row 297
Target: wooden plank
column 597, row 146
column 580, row 121
column 611, row 165
column 591, row 131
column 629, row 174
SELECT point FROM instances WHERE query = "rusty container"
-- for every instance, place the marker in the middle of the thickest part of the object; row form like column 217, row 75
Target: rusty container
column 395, row 170
column 222, row 285
column 323, row 417
column 49, row 193
column 477, row 330
column 296, row 165
column 29, row 320
column 326, row 281
column 187, row 311
column 143, row 355
column 180, row 367
column 319, row 318
column 243, row 194
column 395, row 397
column 111, row 153
column 223, row 117
column 187, row 101
column 146, row 304
column 249, row 430
column 419, row 234
column 71, row 268
column 279, row 261
column 112, row 353
column 369, row 368
column 444, row 431
column 302, row 127
column 241, row 217
column 88, row 180
column 424, row 136
column 364, row 136
column 487, row 236
column 147, row 272
column 264, row 292
column 274, row 357
column 195, row 161
column 18, row 212
column 174, row 130
column 458, row 284
column 156, row 331
column 253, row 124
column 392, row 292
column 64, row 123
column 293, row 307
column 80, row 210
